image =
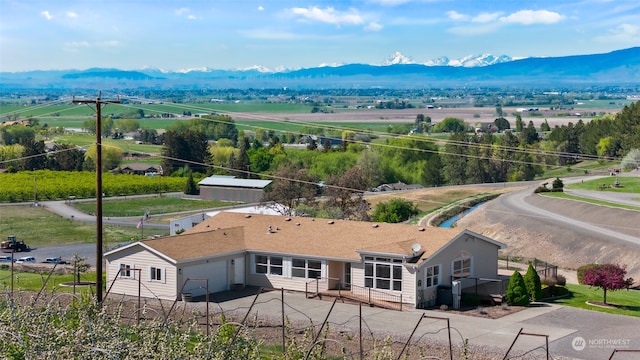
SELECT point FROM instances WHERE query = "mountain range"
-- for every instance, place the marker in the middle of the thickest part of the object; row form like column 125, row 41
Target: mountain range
column 467, row 61
column 621, row 67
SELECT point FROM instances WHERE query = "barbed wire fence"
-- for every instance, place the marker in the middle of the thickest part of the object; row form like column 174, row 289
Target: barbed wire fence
column 66, row 324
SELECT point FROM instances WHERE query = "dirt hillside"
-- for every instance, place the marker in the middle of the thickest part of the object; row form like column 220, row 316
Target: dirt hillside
column 562, row 244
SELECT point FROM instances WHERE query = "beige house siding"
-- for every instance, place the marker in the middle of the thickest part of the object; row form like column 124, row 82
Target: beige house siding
column 139, row 258
column 357, row 274
column 286, row 280
column 408, row 285
column 484, row 258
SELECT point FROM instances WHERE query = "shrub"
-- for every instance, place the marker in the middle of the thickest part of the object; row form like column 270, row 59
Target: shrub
column 533, row 284
column 561, row 280
column 517, row 291
column 557, row 185
column 582, row 269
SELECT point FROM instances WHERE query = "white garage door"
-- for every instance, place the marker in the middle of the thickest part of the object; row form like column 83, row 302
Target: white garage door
column 215, row 271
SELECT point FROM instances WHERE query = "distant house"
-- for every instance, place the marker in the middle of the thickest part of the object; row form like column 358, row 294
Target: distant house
column 409, row 263
column 398, row 187
column 138, row 169
column 230, row 188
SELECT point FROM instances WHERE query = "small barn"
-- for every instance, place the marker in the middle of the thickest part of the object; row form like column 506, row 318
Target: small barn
column 230, row 188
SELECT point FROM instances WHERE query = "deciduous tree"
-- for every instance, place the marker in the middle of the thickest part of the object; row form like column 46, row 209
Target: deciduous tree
column 608, row 277
column 345, row 192
column 291, row 187
column 394, row 211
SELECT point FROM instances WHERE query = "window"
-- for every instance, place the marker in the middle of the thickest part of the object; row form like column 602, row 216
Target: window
column 433, row 276
column 461, row 265
column 271, row 265
column 262, row 264
column 383, row 273
column 303, row 268
column 126, row 271
column 156, row 274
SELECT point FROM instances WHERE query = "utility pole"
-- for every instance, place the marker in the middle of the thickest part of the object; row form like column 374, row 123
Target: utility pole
column 98, row 103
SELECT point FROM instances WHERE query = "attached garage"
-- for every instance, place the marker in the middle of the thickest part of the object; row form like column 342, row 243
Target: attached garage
column 216, row 271
column 172, row 265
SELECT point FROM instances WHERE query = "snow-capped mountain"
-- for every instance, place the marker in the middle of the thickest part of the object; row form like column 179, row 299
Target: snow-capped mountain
column 616, row 67
column 467, row 61
column 398, row 58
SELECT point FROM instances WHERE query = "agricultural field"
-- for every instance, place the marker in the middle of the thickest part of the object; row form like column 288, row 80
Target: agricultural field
column 27, row 223
column 155, row 205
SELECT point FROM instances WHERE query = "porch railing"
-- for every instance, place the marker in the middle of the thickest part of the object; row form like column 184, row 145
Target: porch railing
column 374, row 297
column 312, row 288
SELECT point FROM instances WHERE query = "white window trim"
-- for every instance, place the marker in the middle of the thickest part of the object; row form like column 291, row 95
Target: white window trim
column 284, row 265
column 306, row 269
column 438, row 278
column 163, row 274
column 461, row 257
column 287, row 266
column 132, row 273
column 384, row 261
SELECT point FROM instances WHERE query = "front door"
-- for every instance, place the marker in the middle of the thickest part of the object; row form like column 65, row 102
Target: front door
column 347, row 275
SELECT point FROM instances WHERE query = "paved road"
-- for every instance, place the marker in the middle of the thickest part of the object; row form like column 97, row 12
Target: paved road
column 519, row 202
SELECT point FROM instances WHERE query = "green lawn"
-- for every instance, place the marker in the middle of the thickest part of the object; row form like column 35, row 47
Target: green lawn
column 154, row 205
column 39, row 227
column 630, row 184
column 561, row 195
column 627, row 301
column 32, row 281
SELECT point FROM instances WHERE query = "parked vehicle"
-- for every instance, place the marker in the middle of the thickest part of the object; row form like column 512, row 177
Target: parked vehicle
column 5, row 258
column 12, row 244
column 26, row 259
column 55, row 260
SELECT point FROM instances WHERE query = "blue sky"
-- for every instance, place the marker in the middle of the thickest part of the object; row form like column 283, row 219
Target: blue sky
column 236, row 34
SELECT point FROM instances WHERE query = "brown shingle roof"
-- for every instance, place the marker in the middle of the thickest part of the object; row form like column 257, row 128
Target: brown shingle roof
column 338, row 239
column 201, row 244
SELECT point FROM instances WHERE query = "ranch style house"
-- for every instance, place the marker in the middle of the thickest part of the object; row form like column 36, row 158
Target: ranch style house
column 232, row 250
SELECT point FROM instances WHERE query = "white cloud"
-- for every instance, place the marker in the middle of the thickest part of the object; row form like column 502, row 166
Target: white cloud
column 329, row 15
column 486, row 17
column 623, row 33
column 454, row 15
column 529, row 17
column 71, row 14
column 182, row 11
column 46, row 14
column 260, row 8
column 373, row 26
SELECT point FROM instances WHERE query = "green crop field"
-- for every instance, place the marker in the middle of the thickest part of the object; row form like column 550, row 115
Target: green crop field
column 154, row 205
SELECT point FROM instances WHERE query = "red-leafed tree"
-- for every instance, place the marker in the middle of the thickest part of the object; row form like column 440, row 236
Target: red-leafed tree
column 608, row 277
